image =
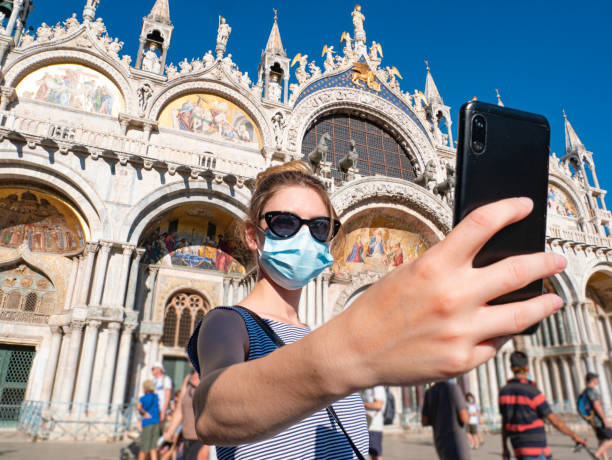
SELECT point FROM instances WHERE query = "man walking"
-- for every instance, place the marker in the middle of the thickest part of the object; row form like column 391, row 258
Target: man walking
column 374, row 400
column 524, row 409
column 163, row 389
column 598, row 419
column 446, row 411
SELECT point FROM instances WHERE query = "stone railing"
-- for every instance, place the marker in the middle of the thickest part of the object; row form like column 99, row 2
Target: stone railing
column 556, row 232
column 101, row 143
column 602, row 214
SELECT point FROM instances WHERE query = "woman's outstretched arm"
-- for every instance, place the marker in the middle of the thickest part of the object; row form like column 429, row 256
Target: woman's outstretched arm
column 424, row 321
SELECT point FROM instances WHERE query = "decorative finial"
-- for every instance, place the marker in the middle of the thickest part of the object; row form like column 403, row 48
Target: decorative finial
column 499, row 101
column 275, row 14
column 564, row 115
column 475, row 98
column 427, row 64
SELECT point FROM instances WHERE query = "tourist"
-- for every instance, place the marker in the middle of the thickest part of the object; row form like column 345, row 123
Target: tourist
column 445, row 410
column 374, row 400
column 148, row 406
column 426, row 320
column 163, row 389
column 473, row 408
column 183, row 419
column 524, row 409
column 598, row 420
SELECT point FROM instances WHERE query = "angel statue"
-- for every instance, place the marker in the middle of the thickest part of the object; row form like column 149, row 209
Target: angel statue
column 348, row 44
column 392, row 72
column 375, row 50
column 223, row 33
column 328, row 64
column 315, row 70
column 301, row 73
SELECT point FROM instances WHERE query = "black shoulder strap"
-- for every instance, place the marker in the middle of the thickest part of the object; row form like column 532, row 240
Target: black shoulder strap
column 279, row 343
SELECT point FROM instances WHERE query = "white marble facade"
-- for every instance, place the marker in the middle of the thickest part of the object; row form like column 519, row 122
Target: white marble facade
column 125, row 146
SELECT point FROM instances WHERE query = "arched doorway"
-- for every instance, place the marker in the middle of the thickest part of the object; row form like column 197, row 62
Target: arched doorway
column 183, row 312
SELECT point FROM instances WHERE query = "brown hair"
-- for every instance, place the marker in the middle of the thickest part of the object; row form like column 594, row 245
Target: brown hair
column 294, row 172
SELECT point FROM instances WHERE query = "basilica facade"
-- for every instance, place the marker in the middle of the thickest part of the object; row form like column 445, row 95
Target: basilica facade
column 123, row 183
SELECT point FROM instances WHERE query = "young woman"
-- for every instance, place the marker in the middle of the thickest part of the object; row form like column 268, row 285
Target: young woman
column 424, row 321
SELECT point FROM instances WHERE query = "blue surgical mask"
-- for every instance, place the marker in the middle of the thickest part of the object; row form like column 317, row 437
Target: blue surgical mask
column 293, row 262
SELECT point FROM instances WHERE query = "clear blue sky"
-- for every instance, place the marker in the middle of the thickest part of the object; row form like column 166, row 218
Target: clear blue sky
column 543, row 55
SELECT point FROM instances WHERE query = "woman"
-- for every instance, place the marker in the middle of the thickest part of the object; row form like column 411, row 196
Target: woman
column 473, row 435
column 424, row 321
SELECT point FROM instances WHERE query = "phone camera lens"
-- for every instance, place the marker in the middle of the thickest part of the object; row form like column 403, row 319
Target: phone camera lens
column 479, row 134
column 477, row 146
column 479, row 122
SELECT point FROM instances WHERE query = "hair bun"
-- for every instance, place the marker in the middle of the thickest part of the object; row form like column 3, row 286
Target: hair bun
column 298, row 166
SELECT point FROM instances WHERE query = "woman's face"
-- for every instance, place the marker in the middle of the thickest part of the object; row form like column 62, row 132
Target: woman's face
column 299, row 200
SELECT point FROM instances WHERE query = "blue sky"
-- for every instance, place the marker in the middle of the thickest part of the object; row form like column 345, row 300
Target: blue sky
column 543, row 55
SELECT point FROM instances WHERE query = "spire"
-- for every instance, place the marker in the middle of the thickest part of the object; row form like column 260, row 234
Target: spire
column 275, row 44
column 160, row 12
column 431, row 90
column 499, row 101
column 573, row 144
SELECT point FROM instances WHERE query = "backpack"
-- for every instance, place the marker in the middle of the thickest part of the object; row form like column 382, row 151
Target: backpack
column 585, row 408
column 389, row 411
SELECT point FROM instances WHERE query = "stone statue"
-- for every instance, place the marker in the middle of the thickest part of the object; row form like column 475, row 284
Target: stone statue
column 320, row 152
column 98, row 27
column 150, row 61
column 349, row 160
column 358, row 19
column 328, row 64
column 196, row 65
column 223, row 33
column 171, row 71
column 58, row 31
column 428, row 177
column 278, row 122
column 126, row 60
column 446, row 188
column 44, row 33
column 391, row 73
column 348, row 44
column 301, row 73
column 185, row 67
column 375, row 51
column 144, row 94
column 114, row 47
column 72, row 23
column 26, row 39
column 208, row 59
column 293, row 90
column 274, row 88
column 315, row 70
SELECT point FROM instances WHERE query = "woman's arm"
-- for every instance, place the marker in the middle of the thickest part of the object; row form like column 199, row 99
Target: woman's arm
column 177, row 415
column 427, row 320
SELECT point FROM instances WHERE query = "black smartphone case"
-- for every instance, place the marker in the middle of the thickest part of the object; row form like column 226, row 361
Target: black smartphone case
column 513, row 164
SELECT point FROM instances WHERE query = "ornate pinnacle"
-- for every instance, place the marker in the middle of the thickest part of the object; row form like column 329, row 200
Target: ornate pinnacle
column 275, row 14
column 427, row 64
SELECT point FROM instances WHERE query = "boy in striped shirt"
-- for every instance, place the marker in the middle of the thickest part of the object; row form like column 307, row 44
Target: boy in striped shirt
column 524, row 409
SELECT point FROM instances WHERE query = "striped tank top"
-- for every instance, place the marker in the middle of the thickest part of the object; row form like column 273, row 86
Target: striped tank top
column 316, row 437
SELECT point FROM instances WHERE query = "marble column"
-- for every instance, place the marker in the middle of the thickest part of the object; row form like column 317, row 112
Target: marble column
column 501, row 371
column 536, row 371
column 52, row 360
column 98, row 368
column 587, row 322
column 72, row 361
column 310, row 304
column 74, row 269
column 123, row 361
column 577, row 371
column 133, row 280
column 556, row 381
column 151, row 282
column 63, row 358
column 545, row 333
column 563, row 339
column 570, row 395
column 87, row 361
column 580, row 321
column 546, row 386
column 225, row 291
column 12, row 20
column 85, row 280
column 603, row 383
column 571, row 326
column 110, row 359
column 553, row 330
column 608, row 332
column 319, row 300
column 140, row 53
column 473, row 384
column 493, row 388
column 483, row 385
column 124, row 274
column 100, row 276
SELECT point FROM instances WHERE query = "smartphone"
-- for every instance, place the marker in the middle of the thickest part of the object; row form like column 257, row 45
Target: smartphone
column 503, row 153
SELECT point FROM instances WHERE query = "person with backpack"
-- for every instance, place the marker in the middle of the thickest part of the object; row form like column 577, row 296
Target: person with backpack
column 590, row 408
column 374, row 400
column 524, row 409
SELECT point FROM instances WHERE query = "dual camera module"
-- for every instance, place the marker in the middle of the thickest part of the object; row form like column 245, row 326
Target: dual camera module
column 479, row 134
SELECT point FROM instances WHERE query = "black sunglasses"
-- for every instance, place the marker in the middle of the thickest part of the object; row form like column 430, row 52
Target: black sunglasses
column 285, row 224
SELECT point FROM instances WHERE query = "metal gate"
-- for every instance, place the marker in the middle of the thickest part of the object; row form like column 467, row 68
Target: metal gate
column 15, row 365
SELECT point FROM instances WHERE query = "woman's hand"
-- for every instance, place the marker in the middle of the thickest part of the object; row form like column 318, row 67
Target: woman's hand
column 429, row 320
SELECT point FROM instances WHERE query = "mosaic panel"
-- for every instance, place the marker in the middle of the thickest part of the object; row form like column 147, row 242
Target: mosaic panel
column 559, row 203
column 44, row 221
column 211, row 116
column 75, row 86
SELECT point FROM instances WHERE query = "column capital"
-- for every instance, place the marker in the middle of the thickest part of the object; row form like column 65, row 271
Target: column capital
column 91, row 247
column 154, row 269
column 114, row 326
column 105, row 246
column 77, row 325
column 139, row 252
column 128, row 249
column 94, row 323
